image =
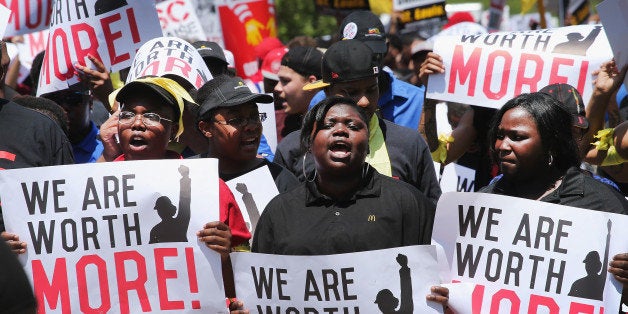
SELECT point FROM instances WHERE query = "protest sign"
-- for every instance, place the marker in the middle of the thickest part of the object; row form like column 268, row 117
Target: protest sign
column 33, row 44
column 614, row 16
column 270, row 125
column 108, row 30
column 166, row 56
column 489, row 69
column 456, row 178
column 104, row 237
column 579, row 11
column 207, row 14
column 335, row 7
column 5, row 13
column 362, row 282
column 426, row 16
column 27, row 16
column 530, row 256
column 253, row 191
column 178, row 19
column 245, row 24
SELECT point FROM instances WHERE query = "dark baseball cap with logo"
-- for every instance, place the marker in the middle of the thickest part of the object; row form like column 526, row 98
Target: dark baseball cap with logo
column 210, row 50
column 304, row 60
column 570, row 100
column 346, row 61
column 366, row 27
column 225, row 91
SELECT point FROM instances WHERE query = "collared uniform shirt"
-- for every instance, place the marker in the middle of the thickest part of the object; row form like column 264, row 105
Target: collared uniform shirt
column 90, row 148
column 383, row 213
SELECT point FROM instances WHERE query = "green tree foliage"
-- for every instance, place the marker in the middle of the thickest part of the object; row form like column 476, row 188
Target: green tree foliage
column 299, row 17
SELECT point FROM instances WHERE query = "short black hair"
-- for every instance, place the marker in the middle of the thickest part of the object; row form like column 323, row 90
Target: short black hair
column 553, row 124
column 314, row 118
column 46, row 107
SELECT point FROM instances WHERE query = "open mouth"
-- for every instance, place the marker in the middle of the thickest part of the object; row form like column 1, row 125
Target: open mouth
column 138, row 142
column 340, row 149
column 250, row 142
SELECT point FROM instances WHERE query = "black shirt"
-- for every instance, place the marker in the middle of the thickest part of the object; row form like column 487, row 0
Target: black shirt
column 384, row 213
column 577, row 189
column 16, row 294
column 409, row 156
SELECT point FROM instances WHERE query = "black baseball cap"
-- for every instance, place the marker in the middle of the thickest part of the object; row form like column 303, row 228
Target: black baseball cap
column 210, row 50
column 366, row 27
column 570, row 100
column 345, row 61
column 226, row 92
column 304, row 60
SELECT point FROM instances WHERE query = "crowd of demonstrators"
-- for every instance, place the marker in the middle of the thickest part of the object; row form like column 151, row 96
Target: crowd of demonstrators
column 349, row 126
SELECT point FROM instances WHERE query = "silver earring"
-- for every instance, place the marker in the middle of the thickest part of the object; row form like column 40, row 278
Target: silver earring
column 303, row 169
column 551, row 160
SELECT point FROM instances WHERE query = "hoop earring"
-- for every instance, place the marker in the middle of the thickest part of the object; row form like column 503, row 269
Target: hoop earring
column 365, row 170
column 305, row 174
column 551, row 160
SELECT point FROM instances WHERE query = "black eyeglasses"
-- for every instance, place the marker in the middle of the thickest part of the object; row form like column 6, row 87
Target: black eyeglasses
column 149, row 118
column 241, row 122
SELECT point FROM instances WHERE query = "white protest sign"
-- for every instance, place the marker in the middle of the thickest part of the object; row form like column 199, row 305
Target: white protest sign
column 108, row 30
column 269, row 126
column 166, row 56
column 361, row 282
column 253, row 191
column 5, row 13
column 104, row 237
column 456, row 178
column 614, row 16
column 488, row 70
column 178, row 19
column 33, row 44
column 208, row 15
column 27, row 16
column 530, row 256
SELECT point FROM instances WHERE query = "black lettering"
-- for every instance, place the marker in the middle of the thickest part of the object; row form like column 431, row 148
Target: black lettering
column 109, row 219
column 487, row 39
column 126, row 187
column 262, row 284
column 559, row 234
column 281, row 283
column 91, row 196
column 81, row 3
column 514, row 267
column 470, row 38
column 330, row 283
column 111, row 191
column 544, row 234
column 535, row 264
column 346, row 282
column 558, row 275
column 135, row 228
column 489, row 263
column 491, row 222
column 523, row 231
column 269, row 310
column 56, row 192
column 87, row 234
column 36, row 197
column 463, row 221
column 468, row 259
column 45, row 235
column 292, row 310
column 72, row 235
column 508, row 38
column 544, row 40
column 462, row 187
column 311, row 288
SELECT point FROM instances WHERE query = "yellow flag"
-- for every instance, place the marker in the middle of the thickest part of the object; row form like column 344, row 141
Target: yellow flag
column 526, row 5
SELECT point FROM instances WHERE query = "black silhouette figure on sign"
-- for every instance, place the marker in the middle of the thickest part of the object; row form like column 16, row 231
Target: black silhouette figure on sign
column 591, row 286
column 104, row 6
column 249, row 203
column 576, row 45
column 387, row 302
column 174, row 228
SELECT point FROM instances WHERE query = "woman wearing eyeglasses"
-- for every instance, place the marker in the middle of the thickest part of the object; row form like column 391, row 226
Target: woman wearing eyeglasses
column 229, row 119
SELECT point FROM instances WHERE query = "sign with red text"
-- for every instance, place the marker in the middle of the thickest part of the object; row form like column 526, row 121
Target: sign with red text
column 117, row 237
column 364, row 282
column 614, row 16
column 108, row 30
column 253, row 190
column 170, row 56
column 489, row 69
column 32, row 44
column 245, row 23
column 178, row 19
column 530, row 256
column 27, row 16
column 5, row 14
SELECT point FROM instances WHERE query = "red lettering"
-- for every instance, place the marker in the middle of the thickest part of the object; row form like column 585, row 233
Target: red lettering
column 509, row 295
column 199, row 81
column 537, row 300
column 37, row 42
column 110, row 37
column 103, row 283
column 556, row 63
column 56, row 61
column 503, row 86
column 125, row 285
column 532, row 81
column 154, row 66
column 162, row 275
column 163, row 20
column 38, row 12
column 174, row 62
column 476, row 299
column 15, row 9
column 579, row 308
column 582, row 78
column 51, row 291
column 45, row 68
column 81, row 53
column 467, row 71
column 189, row 258
column 135, row 33
column 172, row 16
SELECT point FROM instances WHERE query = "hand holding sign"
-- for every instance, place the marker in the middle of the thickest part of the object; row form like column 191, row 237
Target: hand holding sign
column 217, row 236
column 13, row 241
column 97, row 80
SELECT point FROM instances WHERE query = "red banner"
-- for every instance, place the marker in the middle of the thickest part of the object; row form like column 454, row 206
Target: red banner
column 249, row 20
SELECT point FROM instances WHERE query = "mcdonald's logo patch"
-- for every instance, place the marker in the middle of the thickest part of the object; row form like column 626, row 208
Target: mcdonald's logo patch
column 371, row 218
